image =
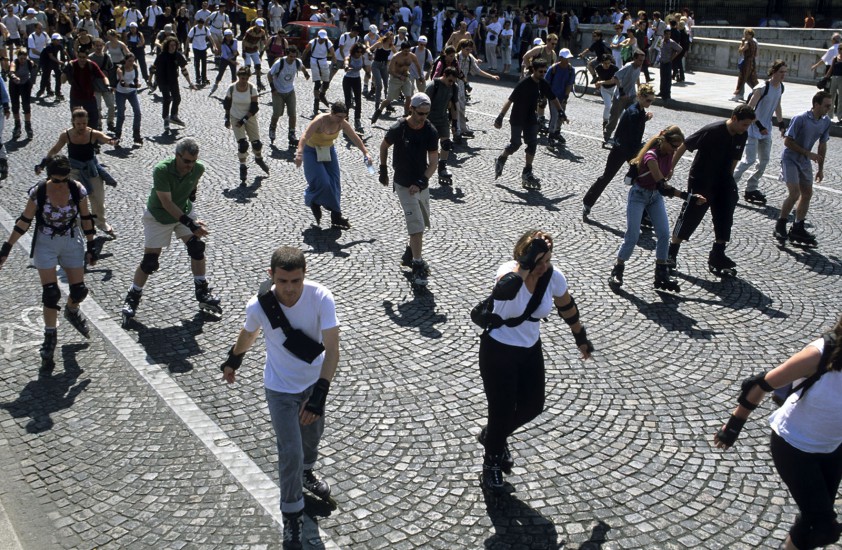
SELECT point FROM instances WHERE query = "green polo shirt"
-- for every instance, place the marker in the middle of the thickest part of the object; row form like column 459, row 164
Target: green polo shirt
column 166, row 179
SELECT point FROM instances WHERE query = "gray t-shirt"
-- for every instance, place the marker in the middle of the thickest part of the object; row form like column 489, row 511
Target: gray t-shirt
column 627, row 78
column 283, row 73
column 765, row 109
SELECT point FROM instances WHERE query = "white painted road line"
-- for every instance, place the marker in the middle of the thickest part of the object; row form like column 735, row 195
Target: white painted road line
column 235, row 460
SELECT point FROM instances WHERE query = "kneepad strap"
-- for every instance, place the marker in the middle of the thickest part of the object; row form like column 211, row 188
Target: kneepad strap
column 78, row 292
column 196, row 248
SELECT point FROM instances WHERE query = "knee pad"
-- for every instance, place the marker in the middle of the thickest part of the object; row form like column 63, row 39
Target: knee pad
column 78, row 292
column 50, row 296
column 149, row 263
column 196, row 248
column 242, row 146
column 531, row 148
column 446, row 145
column 257, row 145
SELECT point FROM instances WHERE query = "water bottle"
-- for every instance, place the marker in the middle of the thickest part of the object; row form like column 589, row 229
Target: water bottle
column 369, row 165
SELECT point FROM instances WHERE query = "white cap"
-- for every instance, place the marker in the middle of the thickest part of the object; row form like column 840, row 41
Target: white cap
column 258, row 22
column 31, row 11
column 537, row 42
column 401, row 29
column 419, row 99
column 56, row 36
column 422, row 39
column 228, row 32
column 322, row 33
column 372, row 28
column 565, row 53
column 133, row 25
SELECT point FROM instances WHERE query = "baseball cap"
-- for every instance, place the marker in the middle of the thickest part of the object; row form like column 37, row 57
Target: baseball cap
column 133, row 25
column 258, row 22
column 565, row 53
column 422, row 39
column 322, row 34
column 31, row 11
column 537, row 42
column 228, row 32
column 168, row 27
column 402, row 29
column 56, row 36
column 419, row 100
column 372, row 28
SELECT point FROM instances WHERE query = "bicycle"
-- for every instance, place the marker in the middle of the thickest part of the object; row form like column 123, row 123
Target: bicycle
column 582, row 79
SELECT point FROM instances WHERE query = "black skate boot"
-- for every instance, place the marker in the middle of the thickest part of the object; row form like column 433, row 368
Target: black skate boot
column 316, row 485
column 293, row 141
column 130, row 306
column 292, row 531
column 27, row 125
column 498, row 166
column 338, row 222
column 317, row 213
column 755, row 197
column 4, row 169
column 16, row 130
column 586, row 212
column 672, row 258
column 420, row 273
column 781, row 232
column 48, row 348
column 663, row 281
column 615, row 280
column 720, row 264
column 800, row 236
column 207, row 301
column 262, row 164
column 507, row 462
column 406, row 259
column 358, row 127
column 137, row 139
column 376, row 115
column 529, row 181
column 492, row 473
column 74, row 317
column 445, row 177
column 244, row 174
column 272, row 135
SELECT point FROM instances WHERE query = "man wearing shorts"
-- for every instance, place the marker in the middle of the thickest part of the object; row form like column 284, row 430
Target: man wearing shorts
column 282, row 82
column 319, row 50
column 412, row 137
column 400, row 81
column 442, row 94
column 254, row 41
column 719, row 147
column 369, row 39
column 217, row 22
column 796, row 168
column 170, row 210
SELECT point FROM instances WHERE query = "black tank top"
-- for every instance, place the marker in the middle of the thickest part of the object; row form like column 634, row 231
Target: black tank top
column 81, row 152
column 382, row 54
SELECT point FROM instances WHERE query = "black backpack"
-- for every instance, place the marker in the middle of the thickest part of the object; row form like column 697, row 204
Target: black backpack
column 829, row 345
column 483, row 314
column 41, row 199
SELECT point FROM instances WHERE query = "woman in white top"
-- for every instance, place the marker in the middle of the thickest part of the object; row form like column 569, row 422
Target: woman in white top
column 126, row 90
column 806, row 435
column 511, row 361
column 240, row 105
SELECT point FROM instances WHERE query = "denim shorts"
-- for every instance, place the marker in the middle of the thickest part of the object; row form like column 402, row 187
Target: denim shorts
column 63, row 250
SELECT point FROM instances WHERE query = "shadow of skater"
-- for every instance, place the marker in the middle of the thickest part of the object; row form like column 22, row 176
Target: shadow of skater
column 420, row 312
column 324, row 240
column 667, row 315
column 516, row 525
column 40, row 398
column 533, row 198
column 599, row 534
column 812, row 259
column 646, row 241
column 171, row 346
column 563, row 153
column 244, row 193
column 448, row 192
column 735, row 293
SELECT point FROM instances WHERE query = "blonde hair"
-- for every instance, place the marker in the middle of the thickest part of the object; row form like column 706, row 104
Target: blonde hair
column 670, row 133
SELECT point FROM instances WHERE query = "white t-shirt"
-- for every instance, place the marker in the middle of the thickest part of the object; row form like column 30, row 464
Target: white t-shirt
column 314, row 312
column 283, row 74
column 506, row 38
column 37, row 42
column 406, row 14
column 831, row 52
column 346, row 42
column 494, row 29
column 240, row 101
column 526, row 334
column 199, row 35
column 133, row 16
column 814, row 424
column 203, row 15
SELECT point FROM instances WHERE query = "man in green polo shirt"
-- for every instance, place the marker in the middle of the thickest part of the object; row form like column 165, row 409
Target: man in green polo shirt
column 170, row 210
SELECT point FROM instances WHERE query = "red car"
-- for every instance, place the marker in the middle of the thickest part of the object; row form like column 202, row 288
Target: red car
column 301, row 32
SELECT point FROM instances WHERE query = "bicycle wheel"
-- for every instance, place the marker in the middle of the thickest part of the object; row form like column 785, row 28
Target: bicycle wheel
column 580, row 85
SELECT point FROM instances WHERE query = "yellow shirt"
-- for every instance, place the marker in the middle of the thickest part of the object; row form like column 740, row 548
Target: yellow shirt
column 322, row 140
column 120, row 16
column 250, row 13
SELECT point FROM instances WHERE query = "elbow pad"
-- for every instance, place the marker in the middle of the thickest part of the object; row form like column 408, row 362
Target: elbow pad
column 253, row 108
column 748, row 384
column 226, row 104
column 507, row 287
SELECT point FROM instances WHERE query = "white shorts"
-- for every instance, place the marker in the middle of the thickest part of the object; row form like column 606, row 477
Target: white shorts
column 159, row 235
column 249, row 58
column 320, row 69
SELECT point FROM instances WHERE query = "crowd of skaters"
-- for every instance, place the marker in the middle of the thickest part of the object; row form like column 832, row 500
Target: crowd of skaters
column 100, row 51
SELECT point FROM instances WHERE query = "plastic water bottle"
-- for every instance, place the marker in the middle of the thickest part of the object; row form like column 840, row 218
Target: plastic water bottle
column 369, row 165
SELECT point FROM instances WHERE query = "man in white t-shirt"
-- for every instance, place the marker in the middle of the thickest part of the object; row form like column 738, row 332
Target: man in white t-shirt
column 492, row 37
column 296, row 388
column 827, row 57
column 276, row 15
column 281, row 82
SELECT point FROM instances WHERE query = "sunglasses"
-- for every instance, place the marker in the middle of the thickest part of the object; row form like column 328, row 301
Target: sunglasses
column 422, row 113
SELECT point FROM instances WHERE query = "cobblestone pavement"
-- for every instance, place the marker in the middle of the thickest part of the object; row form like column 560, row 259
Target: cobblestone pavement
column 621, row 458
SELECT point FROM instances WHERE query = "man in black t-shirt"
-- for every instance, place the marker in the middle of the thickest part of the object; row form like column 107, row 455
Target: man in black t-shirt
column 416, row 157
column 524, row 101
column 719, row 146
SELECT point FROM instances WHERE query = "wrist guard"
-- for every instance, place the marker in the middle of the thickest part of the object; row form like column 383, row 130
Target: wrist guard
column 5, row 250
column 782, row 126
column 244, row 120
column 234, row 361
column 91, row 250
column 423, row 182
column 253, row 107
column 686, row 196
column 43, row 164
column 731, row 431
column 316, row 403
column 538, row 247
column 384, row 174
column 498, row 120
column 24, row 219
column 573, row 319
column 188, row 221
column 759, row 126
column 748, row 384
column 663, row 188
column 581, row 339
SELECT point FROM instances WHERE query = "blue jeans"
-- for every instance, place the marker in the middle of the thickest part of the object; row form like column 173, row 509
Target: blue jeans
column 121, row 113
column 641, row 199
column 298, row 446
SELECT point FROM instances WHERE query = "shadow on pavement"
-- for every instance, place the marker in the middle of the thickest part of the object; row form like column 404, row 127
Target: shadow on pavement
column 535, row 198
column 667, row 315
column 40, row 398
column 325, row 240
column 564, row 153
column 646, row 241
column 516, row 525
column 171, row 346
column 599, row 535
column 448, row 192
column 811, row 258
column 243, row 194
column 420, row 312
column 734, row 293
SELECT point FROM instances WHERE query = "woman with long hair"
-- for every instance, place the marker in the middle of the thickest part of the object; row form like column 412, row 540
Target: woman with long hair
column 126, row 90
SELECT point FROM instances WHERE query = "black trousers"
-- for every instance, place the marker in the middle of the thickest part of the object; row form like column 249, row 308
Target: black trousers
column 200, row 65
column 666, row 79
column 617, row 157
column 353, row 86
column 513, row 379
column 172, row 99
column 812, row 480
column 722, row 200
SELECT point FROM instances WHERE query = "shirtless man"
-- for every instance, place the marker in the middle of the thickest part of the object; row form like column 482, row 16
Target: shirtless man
column 458, row 36
column 399, row 80
column 254, row 41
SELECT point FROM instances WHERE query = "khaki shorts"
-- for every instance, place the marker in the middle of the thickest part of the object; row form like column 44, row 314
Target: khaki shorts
column 396, row 86
column 158, row 235
column 249, row 129
column 281, row 101
column 416, row 209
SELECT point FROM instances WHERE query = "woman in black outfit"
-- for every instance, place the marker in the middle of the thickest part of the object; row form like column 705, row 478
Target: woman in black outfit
column 511, row 361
